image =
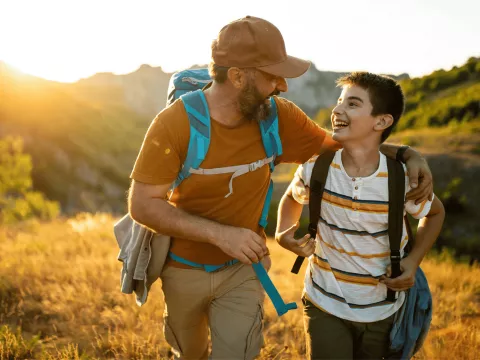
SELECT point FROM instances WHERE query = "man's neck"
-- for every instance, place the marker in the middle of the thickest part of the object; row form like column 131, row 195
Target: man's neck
column 222, row 104
column 360, row 160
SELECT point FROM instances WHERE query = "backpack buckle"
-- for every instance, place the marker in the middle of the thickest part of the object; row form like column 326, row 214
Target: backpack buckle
column 255, row 165
column 395, row 256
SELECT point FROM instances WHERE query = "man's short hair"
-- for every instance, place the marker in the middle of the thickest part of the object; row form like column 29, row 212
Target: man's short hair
column 218, row 73
column 385, row 94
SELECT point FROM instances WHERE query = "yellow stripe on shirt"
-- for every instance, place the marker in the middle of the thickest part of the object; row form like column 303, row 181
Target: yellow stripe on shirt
column 349, row 204
column 352, row 253
column 352, row 279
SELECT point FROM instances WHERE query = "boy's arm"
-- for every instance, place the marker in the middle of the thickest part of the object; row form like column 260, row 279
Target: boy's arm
column 289, row 212
column 428, row 230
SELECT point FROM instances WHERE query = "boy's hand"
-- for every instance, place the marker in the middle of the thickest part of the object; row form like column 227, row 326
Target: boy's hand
column 304, row 246
column 406, row 280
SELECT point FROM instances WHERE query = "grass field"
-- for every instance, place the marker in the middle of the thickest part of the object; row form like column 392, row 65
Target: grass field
column 60, row 299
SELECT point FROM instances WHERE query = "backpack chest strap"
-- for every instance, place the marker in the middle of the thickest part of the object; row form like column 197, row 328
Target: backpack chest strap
column 237, row 170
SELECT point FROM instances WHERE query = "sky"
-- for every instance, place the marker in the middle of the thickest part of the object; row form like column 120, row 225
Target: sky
column 67, row 40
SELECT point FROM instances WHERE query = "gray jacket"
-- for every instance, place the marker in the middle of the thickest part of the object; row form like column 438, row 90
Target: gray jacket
column 143, row 254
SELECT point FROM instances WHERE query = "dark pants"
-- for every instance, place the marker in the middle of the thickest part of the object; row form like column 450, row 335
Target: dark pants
column 329, row 337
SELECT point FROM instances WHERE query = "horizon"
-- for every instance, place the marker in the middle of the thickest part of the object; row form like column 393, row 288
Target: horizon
column 66, row 42
column 192, row 65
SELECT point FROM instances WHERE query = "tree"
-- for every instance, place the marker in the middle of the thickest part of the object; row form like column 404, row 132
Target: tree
column 17, row 199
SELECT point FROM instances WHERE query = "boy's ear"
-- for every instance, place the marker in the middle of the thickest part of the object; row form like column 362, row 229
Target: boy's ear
column 383, row 122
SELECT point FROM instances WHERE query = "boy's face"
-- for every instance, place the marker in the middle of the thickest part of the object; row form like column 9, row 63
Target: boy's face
column 351, row 118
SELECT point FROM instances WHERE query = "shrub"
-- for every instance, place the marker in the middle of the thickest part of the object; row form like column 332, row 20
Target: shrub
column 17, row 199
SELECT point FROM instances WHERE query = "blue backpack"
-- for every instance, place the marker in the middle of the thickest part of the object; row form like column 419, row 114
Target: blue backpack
column 188, row 85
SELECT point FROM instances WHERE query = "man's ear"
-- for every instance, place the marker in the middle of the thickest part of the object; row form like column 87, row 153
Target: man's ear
column 237, row 77
column 383, row 122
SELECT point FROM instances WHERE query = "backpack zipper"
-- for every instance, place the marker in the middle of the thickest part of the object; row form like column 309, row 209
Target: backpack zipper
column 194, row 81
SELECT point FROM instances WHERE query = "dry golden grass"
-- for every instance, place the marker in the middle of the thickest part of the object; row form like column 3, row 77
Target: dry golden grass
column 60, row 299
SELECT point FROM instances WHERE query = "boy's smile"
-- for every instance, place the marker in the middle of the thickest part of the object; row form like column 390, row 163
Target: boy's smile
column 351, row 118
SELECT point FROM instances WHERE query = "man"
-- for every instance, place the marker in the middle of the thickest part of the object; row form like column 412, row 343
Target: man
column 249, row 66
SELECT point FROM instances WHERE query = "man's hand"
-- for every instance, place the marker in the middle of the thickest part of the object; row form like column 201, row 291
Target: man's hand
column 420, row 177
column 406, row 280
column 242, row 244
column 302, row 247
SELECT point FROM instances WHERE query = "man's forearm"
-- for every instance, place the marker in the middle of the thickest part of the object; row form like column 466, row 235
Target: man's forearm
column 391, row 151
column 387, row 149
column 164, row 218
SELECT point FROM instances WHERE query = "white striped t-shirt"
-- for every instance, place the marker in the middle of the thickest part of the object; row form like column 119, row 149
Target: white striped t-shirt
column 352, row 249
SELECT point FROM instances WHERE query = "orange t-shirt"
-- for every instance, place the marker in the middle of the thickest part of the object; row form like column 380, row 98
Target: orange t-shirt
column 165, row 148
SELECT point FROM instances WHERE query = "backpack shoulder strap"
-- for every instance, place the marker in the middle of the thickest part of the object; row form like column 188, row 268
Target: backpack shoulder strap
column 199, row 118
column 396, row 203
column 317, row 186
column 270, row 134
column 273, row 147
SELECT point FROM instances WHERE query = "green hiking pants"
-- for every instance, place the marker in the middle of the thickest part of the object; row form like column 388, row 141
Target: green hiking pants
column 329, row 337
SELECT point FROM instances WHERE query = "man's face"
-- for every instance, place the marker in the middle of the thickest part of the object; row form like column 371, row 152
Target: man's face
column 351, row 118
column 254, row 98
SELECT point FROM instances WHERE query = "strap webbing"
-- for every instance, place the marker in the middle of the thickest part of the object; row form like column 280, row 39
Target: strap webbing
column 317, row 185
column 272, row 291
column 207, row 268
column 237, row 170
column 396, row 204
column 262, row 276
column 411, row 238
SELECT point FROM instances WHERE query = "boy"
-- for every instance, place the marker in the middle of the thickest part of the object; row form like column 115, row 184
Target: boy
column 346, row 315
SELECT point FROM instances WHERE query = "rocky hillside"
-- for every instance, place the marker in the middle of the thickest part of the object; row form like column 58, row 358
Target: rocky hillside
column 145, row 91
column 84, row 137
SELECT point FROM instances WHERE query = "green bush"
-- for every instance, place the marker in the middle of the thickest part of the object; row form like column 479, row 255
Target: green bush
column 436, row 99
column 17, row 199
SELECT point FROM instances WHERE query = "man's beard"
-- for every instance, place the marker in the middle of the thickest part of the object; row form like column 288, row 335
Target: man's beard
column 253, row 105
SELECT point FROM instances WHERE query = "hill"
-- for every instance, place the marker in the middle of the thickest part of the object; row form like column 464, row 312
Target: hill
column 437, row 99
column 84, row 137
column 60, row 299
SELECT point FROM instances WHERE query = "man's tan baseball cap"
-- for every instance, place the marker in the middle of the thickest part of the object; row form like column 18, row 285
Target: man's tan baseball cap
column 252, row 42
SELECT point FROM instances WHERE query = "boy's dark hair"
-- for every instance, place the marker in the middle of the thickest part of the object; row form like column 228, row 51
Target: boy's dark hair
column 216, row 72
column 385, row 94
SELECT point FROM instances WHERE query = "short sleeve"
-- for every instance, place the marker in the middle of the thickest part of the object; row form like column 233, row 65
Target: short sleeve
column 301, row 182
column 164, row 147
column 420, row 210
column 301, row 137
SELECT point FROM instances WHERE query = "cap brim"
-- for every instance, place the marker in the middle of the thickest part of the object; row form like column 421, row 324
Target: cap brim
column 291, row 68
